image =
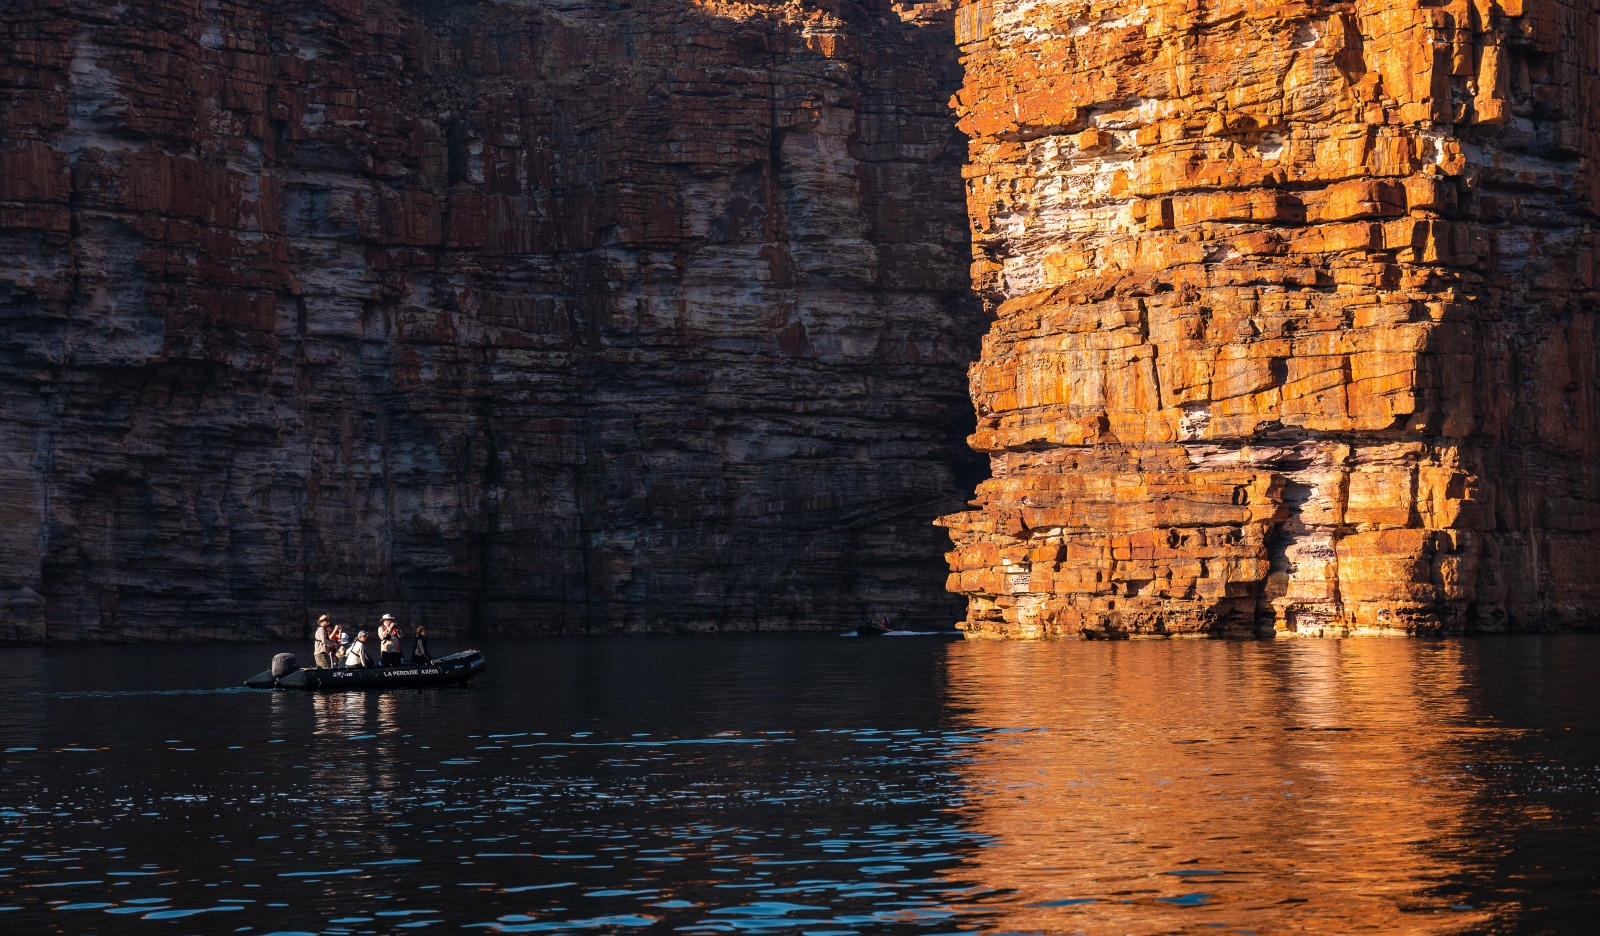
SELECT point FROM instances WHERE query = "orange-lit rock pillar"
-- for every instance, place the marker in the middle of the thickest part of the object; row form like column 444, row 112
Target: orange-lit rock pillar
column 1295, row 316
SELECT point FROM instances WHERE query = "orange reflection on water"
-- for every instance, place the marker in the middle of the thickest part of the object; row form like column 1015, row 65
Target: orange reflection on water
column 1204, row 786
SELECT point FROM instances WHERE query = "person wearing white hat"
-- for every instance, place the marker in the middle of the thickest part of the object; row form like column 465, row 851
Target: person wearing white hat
column 389, row 642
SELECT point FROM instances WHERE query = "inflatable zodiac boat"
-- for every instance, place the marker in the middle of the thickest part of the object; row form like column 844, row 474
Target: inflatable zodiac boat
column 286, row 673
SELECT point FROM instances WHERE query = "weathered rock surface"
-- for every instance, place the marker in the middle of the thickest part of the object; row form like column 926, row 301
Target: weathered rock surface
column 529, row 317
column 1296, row 316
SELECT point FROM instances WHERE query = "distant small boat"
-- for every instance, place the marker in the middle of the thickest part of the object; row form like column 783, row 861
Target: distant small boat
column 446, row 671
column 869, row 629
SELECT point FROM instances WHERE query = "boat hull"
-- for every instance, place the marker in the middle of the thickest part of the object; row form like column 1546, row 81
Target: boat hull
column 452, row 670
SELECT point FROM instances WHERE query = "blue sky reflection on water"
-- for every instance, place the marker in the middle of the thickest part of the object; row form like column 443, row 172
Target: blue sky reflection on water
column 811, row 785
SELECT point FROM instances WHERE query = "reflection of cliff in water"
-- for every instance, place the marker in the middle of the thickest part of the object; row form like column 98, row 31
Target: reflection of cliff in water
column 1319, row 787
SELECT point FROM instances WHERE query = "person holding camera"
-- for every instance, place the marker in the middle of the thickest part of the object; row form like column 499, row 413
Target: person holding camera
column 319, row 643
column 389, row 642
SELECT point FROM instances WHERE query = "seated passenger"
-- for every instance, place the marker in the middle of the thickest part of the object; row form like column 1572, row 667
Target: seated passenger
column 360, row 655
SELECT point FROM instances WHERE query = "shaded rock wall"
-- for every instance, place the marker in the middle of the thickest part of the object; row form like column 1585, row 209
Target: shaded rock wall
column 522, row 317
column 1296, row 316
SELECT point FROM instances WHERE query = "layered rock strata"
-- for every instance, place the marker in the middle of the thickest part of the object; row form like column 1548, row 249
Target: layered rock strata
column 526, row 317
column 1296, row 313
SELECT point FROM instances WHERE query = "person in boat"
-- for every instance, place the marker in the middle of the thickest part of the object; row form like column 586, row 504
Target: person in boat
column 319, row 643
column 389, row 642
column 338, row 644
column 360, row 655
column 419, row 646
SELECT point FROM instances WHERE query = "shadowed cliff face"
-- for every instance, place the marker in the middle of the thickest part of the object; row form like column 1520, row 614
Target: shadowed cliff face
column 527, row 317
column 1296, row 316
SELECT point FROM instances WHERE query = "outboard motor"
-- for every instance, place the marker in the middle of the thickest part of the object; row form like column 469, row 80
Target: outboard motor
column 283, row 664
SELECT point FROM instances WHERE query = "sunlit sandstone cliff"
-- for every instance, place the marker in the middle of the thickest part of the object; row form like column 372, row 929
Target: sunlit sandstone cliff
column 1295, row 316
column 529, row 316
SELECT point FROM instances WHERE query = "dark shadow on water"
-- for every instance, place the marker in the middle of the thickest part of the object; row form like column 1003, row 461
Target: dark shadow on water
column 708, row 784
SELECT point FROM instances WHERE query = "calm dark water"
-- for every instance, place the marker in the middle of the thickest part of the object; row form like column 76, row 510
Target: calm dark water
column 813, row 785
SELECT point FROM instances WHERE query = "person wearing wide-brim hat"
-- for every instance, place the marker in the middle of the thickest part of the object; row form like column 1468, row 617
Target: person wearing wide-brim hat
column 389, row 641
column 319, row 643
